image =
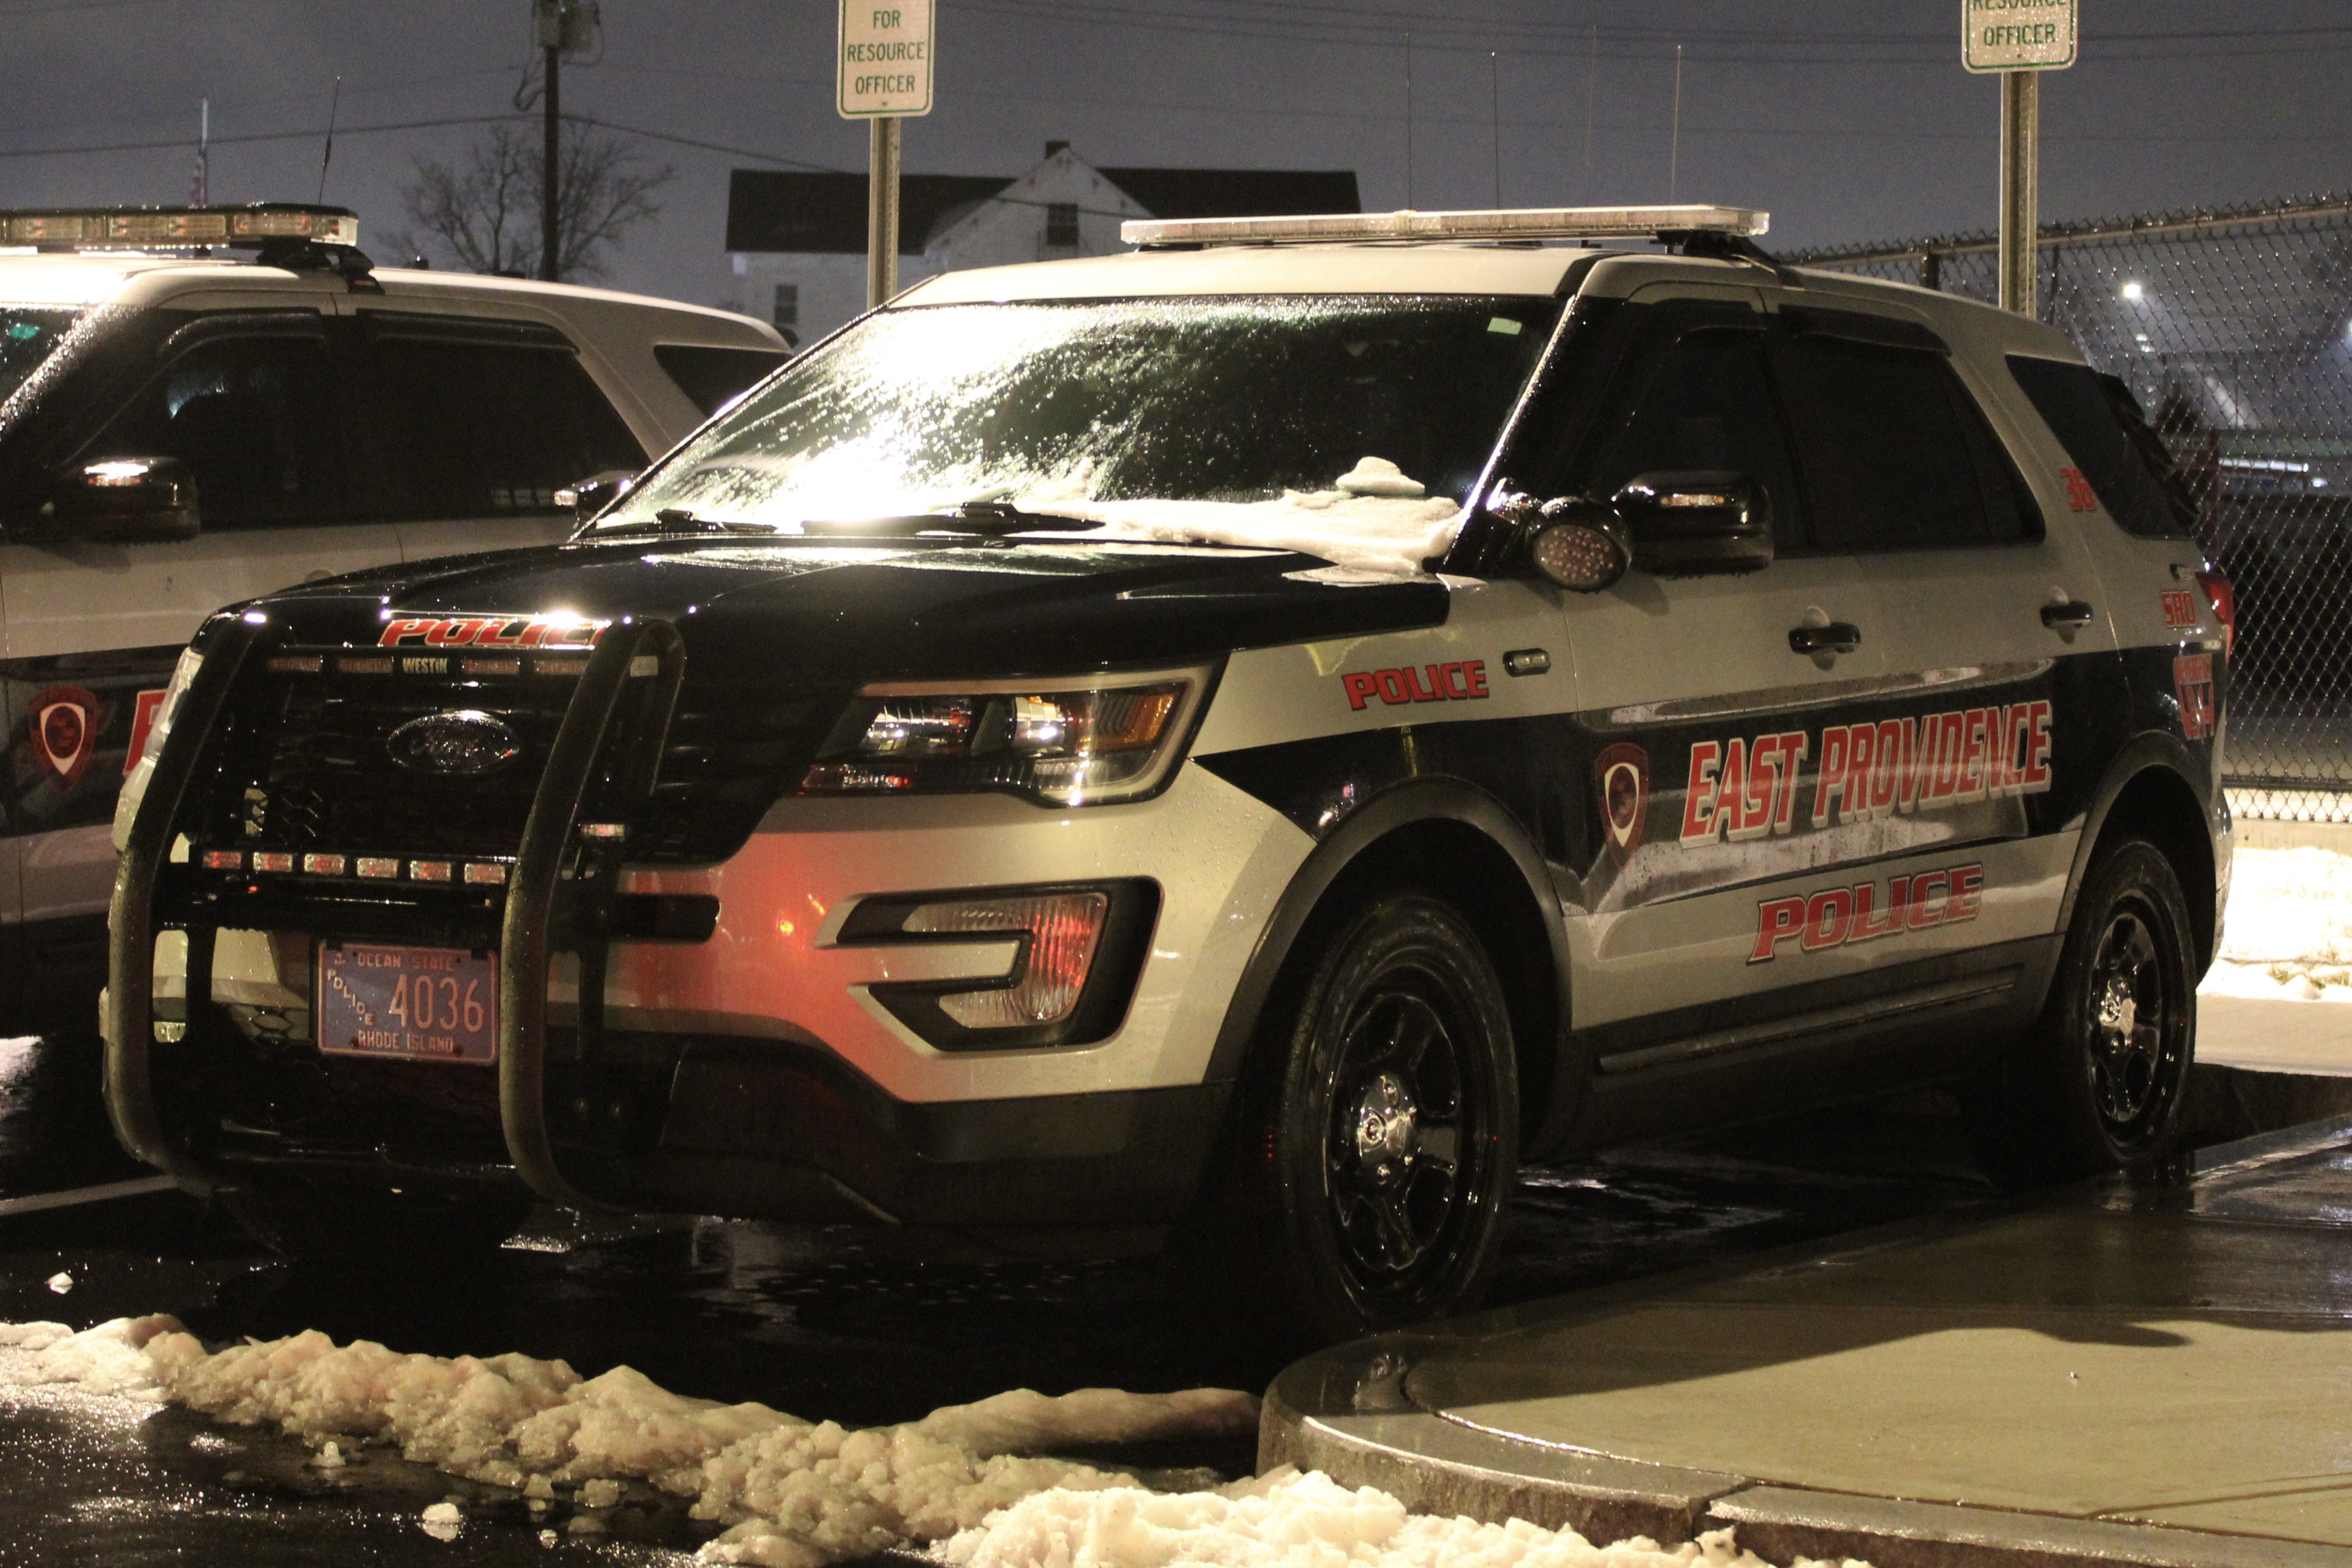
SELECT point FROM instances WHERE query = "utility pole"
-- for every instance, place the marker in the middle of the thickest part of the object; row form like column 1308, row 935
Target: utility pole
column 551, row 150
column 565, row 27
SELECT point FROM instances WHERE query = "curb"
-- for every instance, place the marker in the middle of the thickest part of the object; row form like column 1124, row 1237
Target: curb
column 1346, row 1412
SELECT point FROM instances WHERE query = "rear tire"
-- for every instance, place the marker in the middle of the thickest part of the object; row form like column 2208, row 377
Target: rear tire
column 2101, row 1081
column 372, row 1228
column 1375, row 1135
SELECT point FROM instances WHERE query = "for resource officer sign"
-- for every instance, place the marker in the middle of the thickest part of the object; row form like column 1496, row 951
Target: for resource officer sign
column 2017, row 35
column 885, row 58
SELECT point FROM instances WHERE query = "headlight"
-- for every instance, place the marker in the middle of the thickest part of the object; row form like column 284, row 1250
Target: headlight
column 143, row 767
column 1069, row 745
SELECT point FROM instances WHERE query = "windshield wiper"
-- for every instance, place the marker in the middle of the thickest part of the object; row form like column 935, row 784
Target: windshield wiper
column 676, row 521
column 982, row 519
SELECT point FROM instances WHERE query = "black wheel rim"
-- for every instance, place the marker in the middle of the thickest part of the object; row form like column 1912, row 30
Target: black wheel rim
column 2135, row 1048
column 1404, row 1138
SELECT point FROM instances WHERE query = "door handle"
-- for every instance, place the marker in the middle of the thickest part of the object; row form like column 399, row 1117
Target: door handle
column 1837, row 637
column 2070, row 615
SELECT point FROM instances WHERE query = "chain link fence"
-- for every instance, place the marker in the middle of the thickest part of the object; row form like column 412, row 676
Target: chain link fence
column 2234, row 330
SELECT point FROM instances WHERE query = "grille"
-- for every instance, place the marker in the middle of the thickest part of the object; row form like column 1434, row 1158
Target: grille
column 305, row 771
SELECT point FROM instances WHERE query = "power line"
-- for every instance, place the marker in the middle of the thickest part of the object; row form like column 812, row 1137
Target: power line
column 1742, row 47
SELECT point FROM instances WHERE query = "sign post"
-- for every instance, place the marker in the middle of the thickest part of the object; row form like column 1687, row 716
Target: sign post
column 885, row 76
column 2019, row 39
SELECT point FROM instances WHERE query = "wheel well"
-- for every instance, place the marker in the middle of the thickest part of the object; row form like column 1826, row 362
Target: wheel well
column 1478, row 877
column 2158, row 805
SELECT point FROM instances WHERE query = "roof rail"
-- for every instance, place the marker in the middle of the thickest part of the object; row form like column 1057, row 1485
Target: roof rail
column 176, row 228
column 1508, row 223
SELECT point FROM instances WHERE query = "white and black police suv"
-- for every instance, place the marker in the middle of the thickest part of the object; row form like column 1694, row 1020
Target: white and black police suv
column 1251, row 739
column 202, row 404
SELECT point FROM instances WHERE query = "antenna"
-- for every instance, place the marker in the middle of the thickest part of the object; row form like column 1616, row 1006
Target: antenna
column 200, row 189
column 1675, row 156
column 1592, row 96
column 334, row 102
column 1494, row 117
column 1408, row 119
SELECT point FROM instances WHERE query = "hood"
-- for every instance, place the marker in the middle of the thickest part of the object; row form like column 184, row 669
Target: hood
column 862, row 610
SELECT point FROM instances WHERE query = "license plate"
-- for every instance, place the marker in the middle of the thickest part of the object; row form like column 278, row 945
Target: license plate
column 422, row 1004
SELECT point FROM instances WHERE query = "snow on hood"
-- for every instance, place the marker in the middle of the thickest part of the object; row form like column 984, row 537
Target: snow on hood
column 972, row 1478
column 1374, row 519
column 1382, row 536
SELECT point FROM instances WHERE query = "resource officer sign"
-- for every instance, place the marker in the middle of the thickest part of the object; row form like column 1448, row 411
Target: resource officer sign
column 885, row 58
column 2017, row 34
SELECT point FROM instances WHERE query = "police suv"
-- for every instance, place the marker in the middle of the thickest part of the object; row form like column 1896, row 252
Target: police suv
column 1248, row 740
column 183, row 427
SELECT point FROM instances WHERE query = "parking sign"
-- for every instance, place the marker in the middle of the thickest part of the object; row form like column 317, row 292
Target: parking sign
column 2017, row 34
column 884, row 60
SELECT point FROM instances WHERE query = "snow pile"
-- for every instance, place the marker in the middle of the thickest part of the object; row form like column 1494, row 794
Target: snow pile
column 1286, row 1518
column 798, row 1494
column 2289, row 933
column 112, row 1358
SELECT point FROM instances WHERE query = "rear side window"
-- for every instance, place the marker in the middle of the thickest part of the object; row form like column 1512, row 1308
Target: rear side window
column 2099, row 422
column 254, row 419
column 711, row 377
column 1707, row 404
column 486, row 429
column 1896, row 453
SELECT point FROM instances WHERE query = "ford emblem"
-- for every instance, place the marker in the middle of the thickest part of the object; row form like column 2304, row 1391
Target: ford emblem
column 466, row 744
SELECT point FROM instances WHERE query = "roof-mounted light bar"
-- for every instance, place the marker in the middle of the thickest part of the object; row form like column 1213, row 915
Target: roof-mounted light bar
column 176, row 228
column 1520, row 223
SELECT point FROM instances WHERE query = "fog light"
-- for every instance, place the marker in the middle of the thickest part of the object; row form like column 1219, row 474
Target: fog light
column 1064, row 930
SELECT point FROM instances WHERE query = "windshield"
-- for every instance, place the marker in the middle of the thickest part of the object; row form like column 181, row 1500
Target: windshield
column 28, row 333
column 1353, row 427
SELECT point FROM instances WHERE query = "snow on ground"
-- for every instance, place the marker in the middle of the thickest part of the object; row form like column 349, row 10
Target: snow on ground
column 2288, row 934
column 971, row 1481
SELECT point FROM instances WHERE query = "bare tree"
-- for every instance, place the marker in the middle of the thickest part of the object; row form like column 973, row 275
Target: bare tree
column 483, row 208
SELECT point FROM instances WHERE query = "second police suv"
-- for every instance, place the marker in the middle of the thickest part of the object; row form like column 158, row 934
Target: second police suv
column 1247, row 740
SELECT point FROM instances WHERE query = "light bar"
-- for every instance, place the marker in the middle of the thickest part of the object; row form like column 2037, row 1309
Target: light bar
column 1518, row 222
column 177, row 228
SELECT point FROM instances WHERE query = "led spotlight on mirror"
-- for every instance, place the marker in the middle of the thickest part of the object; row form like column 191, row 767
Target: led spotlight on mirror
column 1579, row 546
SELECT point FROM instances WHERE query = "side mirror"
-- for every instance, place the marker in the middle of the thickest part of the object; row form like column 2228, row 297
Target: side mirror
column 116, row 501
column 1706, row 524
column 594, row 494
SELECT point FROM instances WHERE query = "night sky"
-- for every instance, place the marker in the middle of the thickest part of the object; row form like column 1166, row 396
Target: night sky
column 1849, row 119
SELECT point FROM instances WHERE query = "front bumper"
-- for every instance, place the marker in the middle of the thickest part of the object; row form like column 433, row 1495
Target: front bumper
column 753, row 1073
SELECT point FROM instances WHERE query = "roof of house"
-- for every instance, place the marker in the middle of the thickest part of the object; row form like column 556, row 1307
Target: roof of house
column 771, row 210
column 1239, row 193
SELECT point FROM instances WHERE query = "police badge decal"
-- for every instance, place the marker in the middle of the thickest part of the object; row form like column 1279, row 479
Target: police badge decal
column 1620, row 789
column 64, row 725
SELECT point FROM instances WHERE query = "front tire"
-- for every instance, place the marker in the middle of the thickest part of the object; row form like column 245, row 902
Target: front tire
column 2102, row 1081
column 1377, row 1129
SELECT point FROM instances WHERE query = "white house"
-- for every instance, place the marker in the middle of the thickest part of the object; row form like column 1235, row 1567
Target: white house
column 797, row 241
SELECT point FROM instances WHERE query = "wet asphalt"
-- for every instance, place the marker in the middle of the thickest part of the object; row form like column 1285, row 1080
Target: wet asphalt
column 821, row 1322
